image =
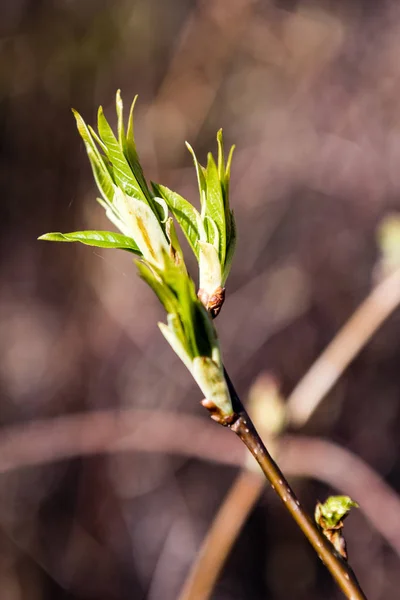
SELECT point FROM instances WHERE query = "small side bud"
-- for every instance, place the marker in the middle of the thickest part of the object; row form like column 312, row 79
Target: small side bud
column 212, row 302
column 330, row 516
column 217, row 414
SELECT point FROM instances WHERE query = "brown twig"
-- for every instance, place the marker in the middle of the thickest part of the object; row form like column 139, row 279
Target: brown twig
column 339, row 569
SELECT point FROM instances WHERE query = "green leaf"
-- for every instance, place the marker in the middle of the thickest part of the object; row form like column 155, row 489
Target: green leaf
column 97, row 139
column 212, row 232
column 206, row 336
column 162, row 291
column 100, row 171
column 212, row 383
column 224, row 174
column 183, row 287
column 229, row 163
column 200, row 177
column 221, row 157
column 128, row 146
column 333, row 511
column 174, row 335
column 121, row 169
column 186, row 215
column 160, row 202
column 102, row 177
column 99, row 239
column 143, row 225
column 130, row 136
column 215, row 204
column 174, row 245
column 209, row 268
column 132, row 155
column 120, row 117
column 230, row 249
column 225, row 188
column 113, row 216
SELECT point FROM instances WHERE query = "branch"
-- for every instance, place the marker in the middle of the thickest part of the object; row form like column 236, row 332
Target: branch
column 339, row 569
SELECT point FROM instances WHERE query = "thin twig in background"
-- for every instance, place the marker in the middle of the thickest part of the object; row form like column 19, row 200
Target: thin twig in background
column 227, row 524
column 225, row 528
column 302, row 403
column 109, row 432
column 353, row 336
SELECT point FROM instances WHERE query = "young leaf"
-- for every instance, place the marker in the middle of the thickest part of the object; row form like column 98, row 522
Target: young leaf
column 102, row 177
column 186, row 215
column 143, row 226
column 330, row 514
column 131, row 154
column 209, row 268
column 212, row 383
column 100, row 239
column 230, row 251
column 206, row 338
column 97, row 139
column 121, row 169
column 175, row 336
column 162, row 291
column 85, row 134
column 200, row 176
column 174, row 245
column 212, row 232
column 120, row 117
column 225, row 188
column 228, row 170
column 221, row 157
column 215, row 204
column 160, row 202
column 100, row 171
column 183, row 287
column 113, row 216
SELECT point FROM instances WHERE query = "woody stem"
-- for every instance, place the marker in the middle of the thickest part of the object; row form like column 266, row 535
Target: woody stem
column 338, row 567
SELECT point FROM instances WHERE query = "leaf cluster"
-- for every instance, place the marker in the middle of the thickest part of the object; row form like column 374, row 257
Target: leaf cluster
column 142, row 216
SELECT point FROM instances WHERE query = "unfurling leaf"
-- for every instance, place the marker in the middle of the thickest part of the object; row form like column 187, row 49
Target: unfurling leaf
column 218, row 226
column 210, row 268
column 330, row 516
column 173, row 334
column 335, row 509
column 186, row 215
column 100, row 171
column 143, row 225
column 122, row 172
column 211, row 381
column 215, row 208
column 200, row 178
column 99, row 239
column 230, row 251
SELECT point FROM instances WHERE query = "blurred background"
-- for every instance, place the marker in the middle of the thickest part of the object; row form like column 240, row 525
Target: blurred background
column 308, row 91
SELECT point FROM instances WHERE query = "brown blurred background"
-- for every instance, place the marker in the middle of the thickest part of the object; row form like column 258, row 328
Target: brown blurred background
column 309, row 92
